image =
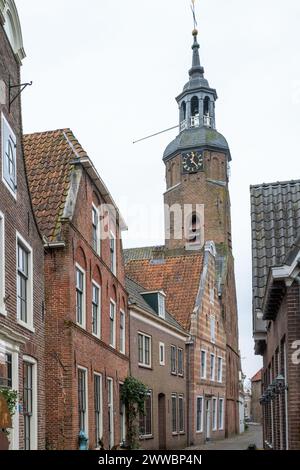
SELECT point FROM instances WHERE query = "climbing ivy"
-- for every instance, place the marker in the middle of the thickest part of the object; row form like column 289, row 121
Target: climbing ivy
column 11, row 397
column 134, row 394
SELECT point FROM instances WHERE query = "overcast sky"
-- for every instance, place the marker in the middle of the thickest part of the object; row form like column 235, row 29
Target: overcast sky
column 110, row 71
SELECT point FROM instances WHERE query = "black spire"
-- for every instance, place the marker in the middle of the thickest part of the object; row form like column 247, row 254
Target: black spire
column 197, row 69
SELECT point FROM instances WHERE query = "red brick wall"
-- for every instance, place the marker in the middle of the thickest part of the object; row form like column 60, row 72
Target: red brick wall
column 68, row 345
column 19, row 218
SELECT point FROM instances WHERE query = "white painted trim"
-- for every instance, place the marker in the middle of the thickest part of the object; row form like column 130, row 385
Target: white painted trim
column 111, row 405
column 199, row 431
column 214, row 421
column 30, row 320
column 162, row 362
column 218, row 379
column 98, row 334
column 157, row 323
column 101, row 403
column 212, row 372
column 221, row 428
column 286, row 271
column 5, row 121
column 113, row 236
column 86, row 417
column 143, row 364
column 114, row 325
column 98, row 251
column 2, row 265
column 77, row 266
column 203, row 374
column 8, row 8
column 34, row 429
column 123, row 351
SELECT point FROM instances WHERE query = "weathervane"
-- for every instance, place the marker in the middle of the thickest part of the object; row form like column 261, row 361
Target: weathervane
column 174, row 127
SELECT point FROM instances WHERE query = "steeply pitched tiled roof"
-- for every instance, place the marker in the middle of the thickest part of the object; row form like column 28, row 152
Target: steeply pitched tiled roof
column 257, row 376
column 48, row 157
column 275, row 218
column 134, row 290
column 177, row 275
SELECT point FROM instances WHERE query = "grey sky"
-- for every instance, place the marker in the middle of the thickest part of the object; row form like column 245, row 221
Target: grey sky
column 110, row 70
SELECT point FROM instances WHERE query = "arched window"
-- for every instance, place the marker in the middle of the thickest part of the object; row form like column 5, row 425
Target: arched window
column 194, row 106
column 194, row 229
column 183, row 111
column 206, row 104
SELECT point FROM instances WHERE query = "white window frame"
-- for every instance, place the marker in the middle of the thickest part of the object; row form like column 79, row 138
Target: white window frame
column 220, row 369
column 4, row 122
column 174, row 397
column 203, row 372
column 123, row 428
column 162, row 354
column 143, row 363
column 180, row 373
column 123, row 332
column 2, row 265
column 98, row 248
column 110, row 407
column 98, row 334
column 113, row 265
column 100, row 422
column 212, row 370
column 79, row 268
column 214, row 411
column 86, row 416
column 29, row 325
column 34, row 429
column 213, row 328
column 161, row 305
column 112, row 302
column 221, row 421
column 174, row 348
column 199, row 397
column 181, row 399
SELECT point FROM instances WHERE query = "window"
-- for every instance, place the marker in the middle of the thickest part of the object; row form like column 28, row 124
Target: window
column 213, row 329
column 30, row 404
column 80, row 296
column 180, row 361
column 221, row 414
column 82, row 400
column 162, row 359
column 212, row 295
column 181, row 413
column 110, row 406
column 144, row 344
column 174, row 413
column 199, row 424
column 122, row 331
column 96, row 314
column 113, row 261
column 220, row 369
column 9, row 160
column 214, row 414
column 2, row 266
column 5, row 370
column 173, row 360
column 203, row 364
column 161, row 306
column 212, row 367
column 95, row 229
column 146, row 419
column 112, row 325
column 24, row 283
column 122, row 418
column 98, row 409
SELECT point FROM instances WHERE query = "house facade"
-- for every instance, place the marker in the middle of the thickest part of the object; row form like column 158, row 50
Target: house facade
column 275, row 212
column 158, row 359
column 256, row 393
column 87, row 322
column 22, row 312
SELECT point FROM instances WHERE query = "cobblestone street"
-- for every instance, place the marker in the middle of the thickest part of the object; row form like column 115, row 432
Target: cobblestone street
column 252, row 436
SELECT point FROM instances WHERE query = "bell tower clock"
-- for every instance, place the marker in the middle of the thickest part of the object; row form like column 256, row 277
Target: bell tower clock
column 197, row 163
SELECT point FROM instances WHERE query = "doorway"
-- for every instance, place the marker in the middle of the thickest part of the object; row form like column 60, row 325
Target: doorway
column 162, row 437
column 207, row 419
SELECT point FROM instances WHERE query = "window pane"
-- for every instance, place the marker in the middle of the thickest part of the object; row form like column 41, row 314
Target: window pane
column 27, row 403
column 199, row 413
column 174, row 413
column 141, row 355
column 181, row 414
column 173, row 359
column 81, row 399
column 180, row 361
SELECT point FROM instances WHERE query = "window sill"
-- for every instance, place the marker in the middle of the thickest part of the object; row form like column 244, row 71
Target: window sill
column 3, row 312
column 83, row 327
column 144, row 366
column 199, row 432
column 96, row 336
column 174, row 434
column 146, row 437
column 174, row 374
column 26, row 326
column 14, row 194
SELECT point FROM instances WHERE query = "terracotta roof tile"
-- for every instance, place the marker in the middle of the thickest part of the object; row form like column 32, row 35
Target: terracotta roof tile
column 177, row 276
column 48, row 157
column 257, row 377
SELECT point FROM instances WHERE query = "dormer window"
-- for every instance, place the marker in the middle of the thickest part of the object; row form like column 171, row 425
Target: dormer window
column 9, row 160
column 161, row 305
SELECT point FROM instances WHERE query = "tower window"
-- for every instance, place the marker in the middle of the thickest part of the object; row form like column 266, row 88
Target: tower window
column 206, row 111
column 183, row 111
column 194, row 106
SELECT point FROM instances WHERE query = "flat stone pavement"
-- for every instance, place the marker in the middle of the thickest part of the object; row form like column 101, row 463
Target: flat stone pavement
column 241, row 442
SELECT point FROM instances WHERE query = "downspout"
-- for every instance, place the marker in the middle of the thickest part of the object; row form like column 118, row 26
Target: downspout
column 189, row 346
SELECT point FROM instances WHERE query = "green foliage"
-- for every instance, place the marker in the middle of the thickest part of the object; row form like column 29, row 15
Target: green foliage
column 134, row 394
column 11, row 397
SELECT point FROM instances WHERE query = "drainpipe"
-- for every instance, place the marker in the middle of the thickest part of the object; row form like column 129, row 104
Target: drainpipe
column 189, row 394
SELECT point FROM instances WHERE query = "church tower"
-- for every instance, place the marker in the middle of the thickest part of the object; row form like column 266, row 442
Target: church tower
column 197, row 169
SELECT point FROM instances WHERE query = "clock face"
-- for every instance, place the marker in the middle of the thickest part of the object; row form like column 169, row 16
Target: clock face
column 192, row 162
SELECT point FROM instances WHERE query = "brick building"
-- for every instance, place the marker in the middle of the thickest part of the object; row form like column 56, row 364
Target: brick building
column 21, row 254
column 275, row 213
column 87, row 344
column 256, row 392
column 158, row 359
column 197, row 206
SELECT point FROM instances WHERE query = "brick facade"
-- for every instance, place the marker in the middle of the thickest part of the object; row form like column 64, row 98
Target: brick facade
column 16, row 217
